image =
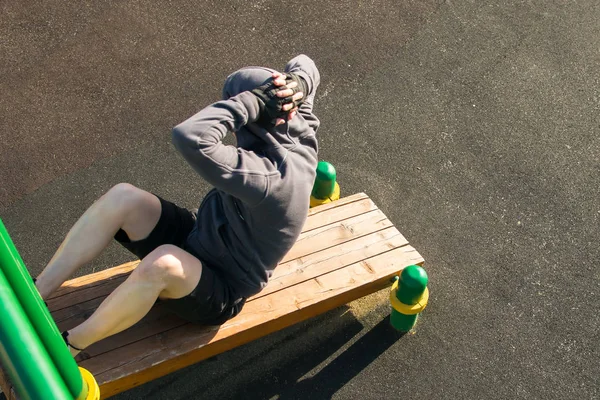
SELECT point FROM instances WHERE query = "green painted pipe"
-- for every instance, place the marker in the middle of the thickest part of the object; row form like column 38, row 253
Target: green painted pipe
column 31, row 302
column 23, row 355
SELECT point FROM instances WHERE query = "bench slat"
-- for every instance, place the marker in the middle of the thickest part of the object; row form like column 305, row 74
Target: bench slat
column 339, row 213
column 93, row 279
column 81, row 309
column 161, row 354
column 338, row 203
column 336, row 233
column 316, row 264
column 158, row 321
column 6, row 387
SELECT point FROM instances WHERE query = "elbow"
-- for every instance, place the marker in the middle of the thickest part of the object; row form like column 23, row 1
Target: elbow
column 308, row 70
column 179, row 136
column 188, row 142
column 302, row 59
column 183, row 141
column 177, row 132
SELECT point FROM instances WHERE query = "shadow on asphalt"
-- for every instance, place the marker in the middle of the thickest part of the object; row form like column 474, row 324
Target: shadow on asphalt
column 334, row 375
column 310, row 360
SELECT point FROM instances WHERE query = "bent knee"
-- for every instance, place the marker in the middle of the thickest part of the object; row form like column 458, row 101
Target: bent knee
column 124, row 194
column 161, row 264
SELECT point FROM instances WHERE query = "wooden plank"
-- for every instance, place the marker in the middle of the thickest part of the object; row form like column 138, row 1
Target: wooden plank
column 272, row 308
column 154, row 314
column 320, row 263
column 84, row 309
column 338, row 203
column 336, row 233
column 5, row 384
column 339, row 213
column 87, row 281
column 161, row 354
column 158, row 321
column 102, row 289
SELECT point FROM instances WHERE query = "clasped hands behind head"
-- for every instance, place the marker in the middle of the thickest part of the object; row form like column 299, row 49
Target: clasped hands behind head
column 279, row 98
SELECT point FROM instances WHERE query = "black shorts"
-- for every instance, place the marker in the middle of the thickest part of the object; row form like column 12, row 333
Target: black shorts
column 213, row 301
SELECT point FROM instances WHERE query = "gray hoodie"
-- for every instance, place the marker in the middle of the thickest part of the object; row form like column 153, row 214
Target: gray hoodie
column 256, row 211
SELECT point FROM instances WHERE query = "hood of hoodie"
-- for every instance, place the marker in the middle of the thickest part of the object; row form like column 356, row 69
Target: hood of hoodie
column 252, row 136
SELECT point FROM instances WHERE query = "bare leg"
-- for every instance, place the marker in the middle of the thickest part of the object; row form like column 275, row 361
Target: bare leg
column 124, row 206
column 167, row 272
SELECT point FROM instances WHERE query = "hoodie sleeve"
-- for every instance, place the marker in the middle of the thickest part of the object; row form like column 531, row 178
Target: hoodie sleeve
column 236, row 171
column 306, row 68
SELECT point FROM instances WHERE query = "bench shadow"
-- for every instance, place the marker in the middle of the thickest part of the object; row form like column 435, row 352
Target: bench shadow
column 336, row 374
column 199, row 378
column 347, row 365
column 310, row 360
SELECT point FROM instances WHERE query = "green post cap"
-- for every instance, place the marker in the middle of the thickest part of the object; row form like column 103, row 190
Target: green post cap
column 412, row 284
column 324, row 181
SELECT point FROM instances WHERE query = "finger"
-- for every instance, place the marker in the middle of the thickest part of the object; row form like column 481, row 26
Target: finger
column 288, row 106
column 283, row 83
column 298, row 96
column 279, row 121
column 278, row 75
column 292, row 114
column 285, row 93
column 278, row 78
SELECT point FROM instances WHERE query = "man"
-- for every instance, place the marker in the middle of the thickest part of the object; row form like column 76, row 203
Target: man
column 203, row 266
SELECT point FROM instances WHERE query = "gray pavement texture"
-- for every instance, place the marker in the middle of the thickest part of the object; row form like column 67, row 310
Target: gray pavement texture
column 474, row 125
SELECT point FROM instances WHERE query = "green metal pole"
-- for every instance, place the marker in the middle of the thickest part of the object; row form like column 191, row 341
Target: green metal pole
column 31, row 302
column 23, row 355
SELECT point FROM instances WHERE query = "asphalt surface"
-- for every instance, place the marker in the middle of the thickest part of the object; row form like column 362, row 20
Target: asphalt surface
column 474, row 125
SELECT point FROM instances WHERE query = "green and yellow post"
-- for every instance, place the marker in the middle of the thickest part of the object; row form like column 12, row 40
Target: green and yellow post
column 325, row 188
column 32, row 350
column 409, row 296
column 92, row 389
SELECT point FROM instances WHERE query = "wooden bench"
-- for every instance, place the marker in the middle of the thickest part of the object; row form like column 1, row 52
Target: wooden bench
column 348, row 249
